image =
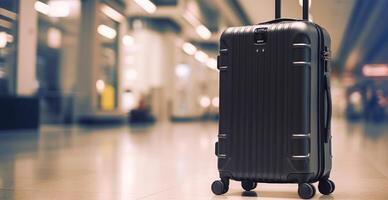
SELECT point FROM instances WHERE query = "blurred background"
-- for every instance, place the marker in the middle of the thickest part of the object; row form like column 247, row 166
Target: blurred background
column 97, row 61
column 85, row 82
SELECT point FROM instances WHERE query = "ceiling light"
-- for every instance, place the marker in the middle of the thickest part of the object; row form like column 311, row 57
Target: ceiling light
column 147, row 5
column 3, row 39
column 182, row 71
column 203, row 32
column 355, row 98
column 106, row 31
column 59, row 8
column 53, row 8
column 200, row 56
column 42, row 7
column 212, row 63
column 375, row 70
column 100, row 86
column 54, row 38
column 111, row 13
column 128, row 40
column 191, row 18
column 189, row 48
column 204, row 101
column 201, row 29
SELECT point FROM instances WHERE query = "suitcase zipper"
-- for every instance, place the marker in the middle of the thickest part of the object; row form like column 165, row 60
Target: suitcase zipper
column 326, row 54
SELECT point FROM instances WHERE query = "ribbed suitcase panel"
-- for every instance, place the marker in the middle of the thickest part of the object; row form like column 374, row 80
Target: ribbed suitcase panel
column 262, row 91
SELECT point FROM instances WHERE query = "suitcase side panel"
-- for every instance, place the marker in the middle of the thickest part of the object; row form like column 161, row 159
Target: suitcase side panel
column 327, row 145
column 267, row 120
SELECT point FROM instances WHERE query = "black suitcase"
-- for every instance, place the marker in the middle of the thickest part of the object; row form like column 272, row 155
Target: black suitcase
column 275, row 105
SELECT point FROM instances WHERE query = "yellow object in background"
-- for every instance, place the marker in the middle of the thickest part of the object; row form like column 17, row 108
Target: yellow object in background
column 108, row 98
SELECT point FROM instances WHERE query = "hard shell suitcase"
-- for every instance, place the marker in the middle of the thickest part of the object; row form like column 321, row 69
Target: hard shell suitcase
column 275, row 105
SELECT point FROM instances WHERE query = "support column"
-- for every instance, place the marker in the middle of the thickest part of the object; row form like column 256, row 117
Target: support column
column 26, row 83
column 85, row 87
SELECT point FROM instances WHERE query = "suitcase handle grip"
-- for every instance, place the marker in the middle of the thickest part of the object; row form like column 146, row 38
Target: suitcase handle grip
column 329, row 108
column 305, row 9
column 279, row 20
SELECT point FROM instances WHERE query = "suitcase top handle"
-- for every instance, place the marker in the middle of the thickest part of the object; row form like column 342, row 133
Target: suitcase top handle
column 305, row 9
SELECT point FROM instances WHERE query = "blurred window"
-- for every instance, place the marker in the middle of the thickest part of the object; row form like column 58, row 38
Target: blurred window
column 8, row 45
column 107, row 83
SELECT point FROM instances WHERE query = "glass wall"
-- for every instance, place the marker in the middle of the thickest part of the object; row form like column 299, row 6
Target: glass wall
column 8, row 46
column 58, row 32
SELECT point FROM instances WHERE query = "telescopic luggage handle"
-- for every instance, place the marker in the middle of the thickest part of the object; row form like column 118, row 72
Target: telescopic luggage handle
column 305, row 9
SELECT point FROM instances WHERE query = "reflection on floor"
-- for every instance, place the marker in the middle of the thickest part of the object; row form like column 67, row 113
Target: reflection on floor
column 166, row 161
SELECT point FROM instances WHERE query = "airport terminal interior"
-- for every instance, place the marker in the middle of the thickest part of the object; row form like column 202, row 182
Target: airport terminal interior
column 119, row 99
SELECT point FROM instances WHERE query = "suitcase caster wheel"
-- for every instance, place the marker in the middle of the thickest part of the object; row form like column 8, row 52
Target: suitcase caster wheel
column 248, row 185
column 326, row 186
column 219, row 187
column 306, row 190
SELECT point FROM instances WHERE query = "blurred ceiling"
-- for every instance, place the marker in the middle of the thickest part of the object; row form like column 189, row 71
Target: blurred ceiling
column 216, row 15
column 330, row 14
column 366, row 40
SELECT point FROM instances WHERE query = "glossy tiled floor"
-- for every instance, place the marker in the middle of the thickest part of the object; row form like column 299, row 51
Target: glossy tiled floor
column 166, row 161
